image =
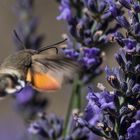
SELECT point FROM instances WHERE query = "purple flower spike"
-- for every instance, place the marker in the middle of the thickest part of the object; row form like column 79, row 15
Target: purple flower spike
column 113, row 77
column 65, row 11
column 88, row 58
column 25, row 95
column 28, row 101
column 97, row 104
column 130, row 45
column 123, row 22
column 114, row 11
column 134, row 131
column 126, row 3
column 136, row 7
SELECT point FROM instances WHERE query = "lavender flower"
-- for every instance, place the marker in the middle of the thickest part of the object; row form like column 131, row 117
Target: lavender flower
column 65, row 10
column 25, row 95
column 97, row 103
column 89, row 58
column 47, row 127
column 120, row 120
column 51, row 127
column 88, row 23
column 27, row 25
column 85, row 23
column 134, row 131
column 99, row 113
column 28, row 101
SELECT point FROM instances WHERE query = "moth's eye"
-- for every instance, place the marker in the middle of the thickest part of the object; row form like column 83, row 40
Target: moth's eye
column 5, row 82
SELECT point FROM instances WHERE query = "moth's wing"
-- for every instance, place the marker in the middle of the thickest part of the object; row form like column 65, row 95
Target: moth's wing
column 57, row 62
column 48, row 71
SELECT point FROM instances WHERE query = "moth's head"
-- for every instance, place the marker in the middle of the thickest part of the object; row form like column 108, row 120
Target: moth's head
column 8, row 83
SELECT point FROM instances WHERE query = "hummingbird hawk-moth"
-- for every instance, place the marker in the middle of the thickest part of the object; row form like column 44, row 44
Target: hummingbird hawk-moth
column 43, row 69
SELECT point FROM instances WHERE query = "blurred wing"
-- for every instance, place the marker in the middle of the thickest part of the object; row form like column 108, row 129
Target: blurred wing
column 49, row 71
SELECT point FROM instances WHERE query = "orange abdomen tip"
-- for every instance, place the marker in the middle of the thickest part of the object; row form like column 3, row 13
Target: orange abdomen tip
column 43, row 81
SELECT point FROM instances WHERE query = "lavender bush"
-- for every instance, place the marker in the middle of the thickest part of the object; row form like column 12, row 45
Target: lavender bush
column 93, row 25
column 115, row 114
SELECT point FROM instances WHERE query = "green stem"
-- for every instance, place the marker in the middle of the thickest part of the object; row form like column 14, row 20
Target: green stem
column 68, row 113
column 75, row 102
column 78, row 96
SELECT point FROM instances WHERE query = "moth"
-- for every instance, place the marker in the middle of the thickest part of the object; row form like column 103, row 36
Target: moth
column 43, row 69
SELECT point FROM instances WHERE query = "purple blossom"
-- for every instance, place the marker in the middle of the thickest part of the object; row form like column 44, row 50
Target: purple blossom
column 65, row 10
column 138, row 115
column 124, row 80
column 116, row 78
column 25, row 95
column 134, row 131
column 136, row 88
column 113, row 10
column 130, row 45
column 47, row 127
column 51, row 127
column 126, row 3
column 83, row 19
column 123, row 21
column 80, row 24
column 26, row 26
column 97, row 103
column 89, row 58
column 95, row 6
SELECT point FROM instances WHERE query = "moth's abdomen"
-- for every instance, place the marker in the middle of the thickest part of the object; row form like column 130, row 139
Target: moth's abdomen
column 43, row 81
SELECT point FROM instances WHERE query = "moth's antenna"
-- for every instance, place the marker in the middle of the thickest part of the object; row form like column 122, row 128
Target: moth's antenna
column 17, row 36
column 51, row 46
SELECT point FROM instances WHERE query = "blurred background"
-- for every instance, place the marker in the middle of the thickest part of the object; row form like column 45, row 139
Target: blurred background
column 11, row 124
